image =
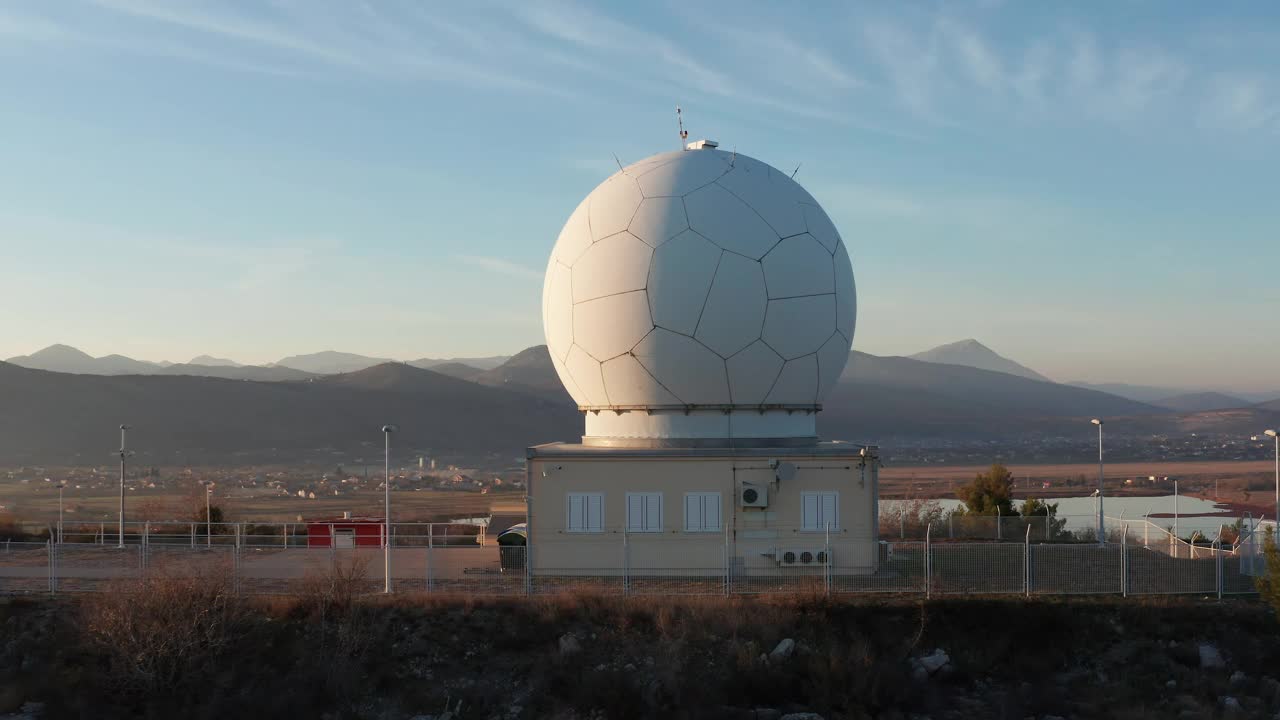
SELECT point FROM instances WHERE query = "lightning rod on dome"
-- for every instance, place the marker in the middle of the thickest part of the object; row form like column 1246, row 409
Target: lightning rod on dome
column 684, row 134
column 793, row 172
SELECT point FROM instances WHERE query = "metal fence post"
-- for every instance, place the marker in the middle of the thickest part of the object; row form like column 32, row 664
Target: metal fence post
column 626, row 563
column 48, row 547
column 1026, row 563
column 727, row 562
column 826, row 566
column 951, row 525
column 928, row 564
column 1124, row 562
column 1217, row 562
column 999, row 517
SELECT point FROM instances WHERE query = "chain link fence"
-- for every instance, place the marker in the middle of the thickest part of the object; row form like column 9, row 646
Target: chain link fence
column 1137, row 563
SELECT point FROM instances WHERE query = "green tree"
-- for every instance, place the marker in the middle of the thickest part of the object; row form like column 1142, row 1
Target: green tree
column 989, row 493
column 1034, row 507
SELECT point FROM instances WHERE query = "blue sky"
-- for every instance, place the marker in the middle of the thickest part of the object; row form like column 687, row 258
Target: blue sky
column 1088, row 188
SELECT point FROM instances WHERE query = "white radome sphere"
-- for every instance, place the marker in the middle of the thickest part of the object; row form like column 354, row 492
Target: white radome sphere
column 699, row 280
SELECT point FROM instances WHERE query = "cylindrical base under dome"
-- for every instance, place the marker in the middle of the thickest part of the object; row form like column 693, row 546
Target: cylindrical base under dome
column 729, row 427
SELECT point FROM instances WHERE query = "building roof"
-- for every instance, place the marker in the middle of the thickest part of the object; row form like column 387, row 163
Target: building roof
column 578, row 450
column 339, row 520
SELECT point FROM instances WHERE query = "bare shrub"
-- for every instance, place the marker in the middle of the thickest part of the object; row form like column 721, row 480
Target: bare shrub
column 333, row 592
column 162, row 629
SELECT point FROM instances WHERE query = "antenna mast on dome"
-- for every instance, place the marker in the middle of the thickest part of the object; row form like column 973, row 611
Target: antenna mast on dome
column 684, row 134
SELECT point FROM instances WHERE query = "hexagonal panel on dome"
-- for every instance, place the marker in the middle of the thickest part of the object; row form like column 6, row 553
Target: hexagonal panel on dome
column 613, row 204
column 750, row 180
column 685, row 367
column 679, row 280
column 752, row 373
column 628, row 383
column 684, row 174
column 659, row 219
column 719, row 216
column 832, row 358
column 846, row 293
column 797, row 383
column 570, row 385
column 586, row 375
column 575, row 237
column 735, row 309
column 610, row 326
column 821, row 227
column 798, row 266
column 799, row 326
column 557, row 309
column 616, row 264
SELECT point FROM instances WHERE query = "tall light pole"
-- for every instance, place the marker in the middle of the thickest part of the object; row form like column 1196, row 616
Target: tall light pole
column 124, row 453
column 1276, row 436
column 60, row 486
column 1102, row 527
column 386, row 486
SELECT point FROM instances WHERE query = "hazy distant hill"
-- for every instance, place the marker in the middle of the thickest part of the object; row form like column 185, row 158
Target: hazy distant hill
column 1199, row 402
column 974, row 354
column 1141, row 393
column 236, row 372
column 457, row 370
column 529, row 370
column 330, row 362
column 890, row 396
column 54, row 417
column 480, row 363
column 210, row 361
column 1273, row 406
column 66, row 359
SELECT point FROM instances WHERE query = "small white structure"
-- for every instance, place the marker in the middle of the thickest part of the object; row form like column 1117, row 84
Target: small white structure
column 697, row 306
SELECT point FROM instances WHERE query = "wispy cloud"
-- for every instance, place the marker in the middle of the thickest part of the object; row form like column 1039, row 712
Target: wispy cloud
column 1241, row 102
column 500, row 266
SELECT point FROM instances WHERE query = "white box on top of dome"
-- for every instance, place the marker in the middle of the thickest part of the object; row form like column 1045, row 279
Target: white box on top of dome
column 699, row 295
column 698, row 306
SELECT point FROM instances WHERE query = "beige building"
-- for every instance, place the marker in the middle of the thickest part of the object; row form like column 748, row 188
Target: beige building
column 702, row 511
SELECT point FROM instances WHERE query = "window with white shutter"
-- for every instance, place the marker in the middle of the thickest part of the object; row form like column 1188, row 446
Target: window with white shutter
column 702, row 512
column 586, row 512
column 821, row 510
column 644, row 512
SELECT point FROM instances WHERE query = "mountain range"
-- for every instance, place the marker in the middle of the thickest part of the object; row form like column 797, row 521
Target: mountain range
column 67, row 359
column 456, row 408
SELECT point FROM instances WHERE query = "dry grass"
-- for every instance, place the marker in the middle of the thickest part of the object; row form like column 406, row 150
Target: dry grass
column 161, row 631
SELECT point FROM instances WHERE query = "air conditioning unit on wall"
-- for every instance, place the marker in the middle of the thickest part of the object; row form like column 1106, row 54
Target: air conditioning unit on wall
column 801, row 557
column 753, row 496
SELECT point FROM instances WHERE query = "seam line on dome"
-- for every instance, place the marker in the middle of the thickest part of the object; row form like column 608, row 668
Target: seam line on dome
column 796, row 297
column 751, row 207
column 707, row 298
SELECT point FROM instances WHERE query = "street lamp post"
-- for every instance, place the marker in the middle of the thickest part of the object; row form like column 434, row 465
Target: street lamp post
column 124, row 453
column 1102, row 528
column 1275, row 435
column 386, row 486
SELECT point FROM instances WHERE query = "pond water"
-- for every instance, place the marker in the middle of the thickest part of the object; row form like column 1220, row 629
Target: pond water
column 1081, row 512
